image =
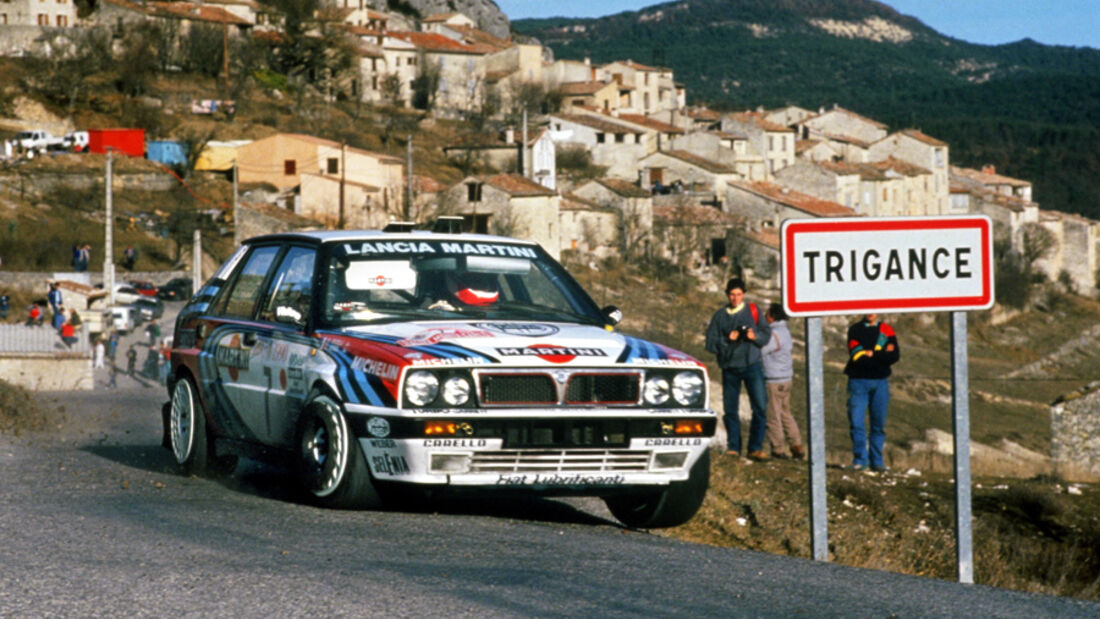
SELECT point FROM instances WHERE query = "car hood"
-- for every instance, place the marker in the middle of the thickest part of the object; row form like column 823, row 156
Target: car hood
column 505, row 343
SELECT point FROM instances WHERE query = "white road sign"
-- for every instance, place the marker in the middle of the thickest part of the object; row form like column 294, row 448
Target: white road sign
column 890, row 264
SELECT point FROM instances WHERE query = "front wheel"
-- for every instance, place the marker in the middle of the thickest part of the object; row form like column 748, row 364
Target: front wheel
column 669, row 507
column 330, row 463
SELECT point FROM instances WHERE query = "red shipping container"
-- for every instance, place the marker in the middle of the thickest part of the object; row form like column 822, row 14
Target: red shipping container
column 129, row 141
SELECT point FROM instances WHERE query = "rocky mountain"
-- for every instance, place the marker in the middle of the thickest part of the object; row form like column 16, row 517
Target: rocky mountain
column 1029, row 109
column 486, row 13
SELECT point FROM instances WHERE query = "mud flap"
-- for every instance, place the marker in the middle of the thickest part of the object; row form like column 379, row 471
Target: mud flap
column 165, row 412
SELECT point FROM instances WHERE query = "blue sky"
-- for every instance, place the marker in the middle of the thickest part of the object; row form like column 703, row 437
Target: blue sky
column 1054, row 22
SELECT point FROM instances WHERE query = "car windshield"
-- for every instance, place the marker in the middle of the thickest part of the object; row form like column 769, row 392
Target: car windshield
column 370, row 282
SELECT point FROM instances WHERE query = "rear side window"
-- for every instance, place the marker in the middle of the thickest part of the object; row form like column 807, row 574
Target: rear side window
column 246, row 289
column 291, row 288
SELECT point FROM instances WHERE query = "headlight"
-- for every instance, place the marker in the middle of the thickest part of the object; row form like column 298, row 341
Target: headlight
column 456, row 391
column 656, row 390
column 687, row 387
column 421, row 388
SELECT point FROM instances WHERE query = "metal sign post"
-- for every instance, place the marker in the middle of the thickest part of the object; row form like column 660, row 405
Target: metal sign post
column 869, row 265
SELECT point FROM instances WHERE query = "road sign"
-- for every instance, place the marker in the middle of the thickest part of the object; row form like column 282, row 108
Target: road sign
column 889, row 264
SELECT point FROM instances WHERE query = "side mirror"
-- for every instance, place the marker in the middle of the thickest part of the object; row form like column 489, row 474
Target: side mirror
column 613, row 314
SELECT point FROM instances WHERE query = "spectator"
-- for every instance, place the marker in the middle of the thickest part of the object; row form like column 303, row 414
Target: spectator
column 872, row 350
column 112, row 345
column 75, row 319
column 153, row 331
column 129, row 256
column 131, row 361
column 99, row 353
column 59, row 317
column 54, row 298
column 5, row 306
column 34, row 316
column 778, row 375
column 68, row 334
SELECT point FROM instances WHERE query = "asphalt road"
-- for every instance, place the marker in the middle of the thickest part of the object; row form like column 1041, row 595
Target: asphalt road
column 95, row 522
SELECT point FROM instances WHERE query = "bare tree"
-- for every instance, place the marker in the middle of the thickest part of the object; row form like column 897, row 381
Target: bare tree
column 425, row 86
column 506, row 222
column 1036, row 243
column 632, row 229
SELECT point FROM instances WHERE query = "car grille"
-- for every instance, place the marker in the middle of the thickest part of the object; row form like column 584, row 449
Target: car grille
column 559, row 461
column 562, row 387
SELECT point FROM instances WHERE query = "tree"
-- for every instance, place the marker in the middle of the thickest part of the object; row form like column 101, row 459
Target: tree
column 139, row 59
column 425, row 86
column 1036, row 241
column 77, row 55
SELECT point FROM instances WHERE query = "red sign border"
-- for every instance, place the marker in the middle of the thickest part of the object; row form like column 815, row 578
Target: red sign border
column 792, row 227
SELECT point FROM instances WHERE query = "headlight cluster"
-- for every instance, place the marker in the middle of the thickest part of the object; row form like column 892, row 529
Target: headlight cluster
column 684, row 389
column 423, row 388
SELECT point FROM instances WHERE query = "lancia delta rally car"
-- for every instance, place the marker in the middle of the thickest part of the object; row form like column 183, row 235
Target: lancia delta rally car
column 380, row 362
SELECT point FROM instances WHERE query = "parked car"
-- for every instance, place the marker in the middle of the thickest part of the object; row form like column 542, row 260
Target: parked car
column 120, row 318
column 425, row 361
column 147, row 289
column 149, row 308
column 177, row 289
column 125, row 294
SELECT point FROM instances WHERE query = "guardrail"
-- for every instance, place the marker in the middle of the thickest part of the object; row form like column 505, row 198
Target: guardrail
column 17, row 338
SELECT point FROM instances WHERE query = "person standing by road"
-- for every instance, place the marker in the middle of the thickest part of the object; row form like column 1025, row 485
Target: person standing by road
column 131, row 361
column 54, row 298
column 783, row 434
column 872, row 349
column 735, row 335
column 5, row 306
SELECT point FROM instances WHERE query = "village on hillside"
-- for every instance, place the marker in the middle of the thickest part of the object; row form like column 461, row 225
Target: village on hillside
column 686, row 183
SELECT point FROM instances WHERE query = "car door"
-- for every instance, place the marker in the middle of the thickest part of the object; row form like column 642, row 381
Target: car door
column 285, row 309
column 235, row 381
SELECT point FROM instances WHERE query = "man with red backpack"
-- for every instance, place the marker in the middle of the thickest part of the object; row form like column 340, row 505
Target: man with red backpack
column 735, row 335
column 872, row 349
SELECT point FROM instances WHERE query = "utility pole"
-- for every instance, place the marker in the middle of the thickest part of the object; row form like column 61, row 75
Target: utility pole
column 409, row 178
column 109, row 242
column 340, row 225
column 236, row 209
column 225, row 57
column 523, row 147
column 196, row 258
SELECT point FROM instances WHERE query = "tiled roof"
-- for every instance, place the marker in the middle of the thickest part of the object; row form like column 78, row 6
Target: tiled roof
column 582, row 88
column 249, row 3
column 692, row 215
column 439, row 17
column 475, row 37
column 795, row 199
column 837, row 137
column 183, row 10
column 729, row 135
column 802, row 146
column 847, row 112
column 767, row 236
column 573, row 202
column 701, row 113
column 334, row 13
column 623, row 188
column 432, row 42
column 517, row 186
column 596, row 123
column 901, row 167
column 651, row 123
column 700, row 162
column 757, row 119
column 865, row 172
column 351, row 149
column 427, row 184
column 921, row 137
column 986, row 178
column 636, row 66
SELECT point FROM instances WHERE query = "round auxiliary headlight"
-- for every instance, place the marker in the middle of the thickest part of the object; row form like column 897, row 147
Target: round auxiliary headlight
column 421, row 388
column 456, row 391
column 656, row 390
column 687, row 387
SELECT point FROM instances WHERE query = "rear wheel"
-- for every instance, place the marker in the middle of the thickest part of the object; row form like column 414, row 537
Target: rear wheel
column 330, row 463
column 669, row 507
column 187, row 429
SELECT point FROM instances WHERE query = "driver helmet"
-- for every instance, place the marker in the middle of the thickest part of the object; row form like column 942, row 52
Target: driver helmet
column 477, row 289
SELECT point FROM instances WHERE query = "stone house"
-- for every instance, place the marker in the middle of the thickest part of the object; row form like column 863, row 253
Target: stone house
column 912, row 146
column 788, row 116
column 772, row 141
column 645, row 90
column 439, row 22
column 1075, row 434
column 560, row 72
column 507, row 204
column 659, row 135
column 180, row 15
column 588, row 227
column 282, row 160
column 767, row 205
column 461, row 68
column 695, row 173
column 613, row 144
column 1005, row 200
column 731, row 149
column 1075, row 252
column 503, row 152
column 847, row 132
column 37, row 13
column 588, row 94
column 756, row 253
column 691, row 235
column 634, row 205
column 382, row 56
column 816, row 150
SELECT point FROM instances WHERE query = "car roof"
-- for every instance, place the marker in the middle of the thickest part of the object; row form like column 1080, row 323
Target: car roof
column 342, row 236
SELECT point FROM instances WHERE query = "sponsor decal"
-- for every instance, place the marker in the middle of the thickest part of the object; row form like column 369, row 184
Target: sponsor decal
column 389, row 464
column 382, row 443
column 451, row 361
column 555, row 479
column 378, row 368
column 378, row 426
column 454, row 442
column 551, row 352
column 295, row 380
column 685, row 362
column 382, row 248
column 524, row 329
column 233, row 356
column 434, row 336
column 673, row 442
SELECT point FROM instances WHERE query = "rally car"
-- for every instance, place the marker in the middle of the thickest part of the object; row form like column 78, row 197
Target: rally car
column 380, row 362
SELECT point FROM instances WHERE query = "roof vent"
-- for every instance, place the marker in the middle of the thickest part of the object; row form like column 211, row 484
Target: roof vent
column 399, row 226
column 448, row 224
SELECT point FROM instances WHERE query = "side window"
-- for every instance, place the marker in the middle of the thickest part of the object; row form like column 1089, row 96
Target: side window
column 292, row 287
column 242, row 298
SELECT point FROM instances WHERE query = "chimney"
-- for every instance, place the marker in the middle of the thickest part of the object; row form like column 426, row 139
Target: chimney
column 989, row 169
column 821, row 110
column 509, row 135
column 587, row 60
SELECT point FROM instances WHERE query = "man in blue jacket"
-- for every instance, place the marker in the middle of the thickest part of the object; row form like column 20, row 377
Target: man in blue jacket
column 735, row 335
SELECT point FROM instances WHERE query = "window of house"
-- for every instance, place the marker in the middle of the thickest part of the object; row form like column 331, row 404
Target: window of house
column 412, row 62
column 374, row 82
column 783, row 142
column 397, row 62
column 771, row 142
column 290, row 167
column 620, row 138
column 939, row 157
column 473, row 192
column 884, row 198
column 3, row 18
column 600, row 138
column 645, row 97
column 62, row 21
column 43, row 19
column 333, row 165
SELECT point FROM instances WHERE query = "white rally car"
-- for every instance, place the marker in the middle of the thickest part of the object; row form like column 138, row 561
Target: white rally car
column 381, row 362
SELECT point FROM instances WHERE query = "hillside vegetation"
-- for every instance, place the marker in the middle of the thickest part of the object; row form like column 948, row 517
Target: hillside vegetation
column 1029, row 109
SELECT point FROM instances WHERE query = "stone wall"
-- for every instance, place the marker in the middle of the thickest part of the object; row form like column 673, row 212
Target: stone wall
column 36, row 280
column 44, row 182
column 48, row 371
column 1075, row 434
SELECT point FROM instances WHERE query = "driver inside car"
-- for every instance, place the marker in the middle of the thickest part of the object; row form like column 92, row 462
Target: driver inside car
column 468, row 289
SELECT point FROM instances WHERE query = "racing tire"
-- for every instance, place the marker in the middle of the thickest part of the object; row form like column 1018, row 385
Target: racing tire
column 329, row 462
column 669, row 507
column 187, row 430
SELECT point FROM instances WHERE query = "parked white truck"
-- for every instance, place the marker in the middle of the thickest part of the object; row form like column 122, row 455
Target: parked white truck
column 36, row 139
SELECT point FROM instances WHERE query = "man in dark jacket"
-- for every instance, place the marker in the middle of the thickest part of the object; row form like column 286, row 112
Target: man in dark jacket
column 872, row 349
column 735, row 335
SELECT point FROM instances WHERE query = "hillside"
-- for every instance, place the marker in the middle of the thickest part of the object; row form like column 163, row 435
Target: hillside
column 1029, row 109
